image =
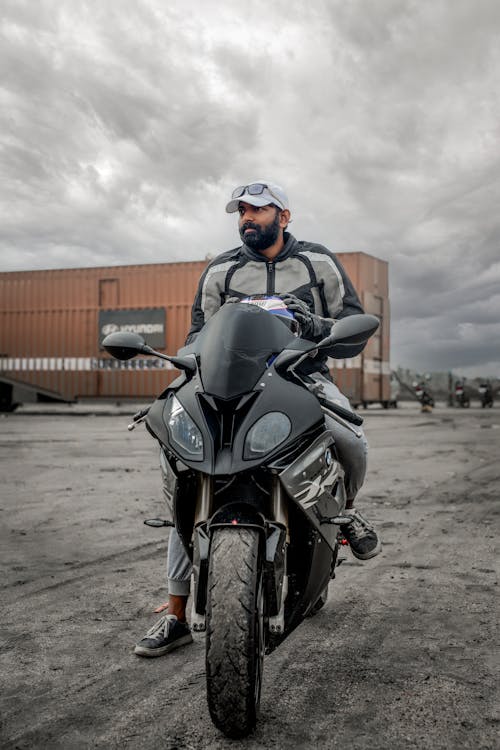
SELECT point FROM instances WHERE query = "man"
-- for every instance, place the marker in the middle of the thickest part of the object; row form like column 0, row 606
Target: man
column 313, row 284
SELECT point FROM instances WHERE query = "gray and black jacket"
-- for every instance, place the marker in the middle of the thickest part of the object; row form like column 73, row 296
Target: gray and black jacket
column 305, row 269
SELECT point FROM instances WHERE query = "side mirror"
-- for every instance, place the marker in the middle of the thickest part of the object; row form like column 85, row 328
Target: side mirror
column 354, row 329
column 124, row 345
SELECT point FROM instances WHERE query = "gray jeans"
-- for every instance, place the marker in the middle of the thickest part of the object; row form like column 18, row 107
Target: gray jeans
column 352, row 452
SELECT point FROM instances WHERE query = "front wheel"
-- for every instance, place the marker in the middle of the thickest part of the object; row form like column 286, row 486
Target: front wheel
column 235, row 630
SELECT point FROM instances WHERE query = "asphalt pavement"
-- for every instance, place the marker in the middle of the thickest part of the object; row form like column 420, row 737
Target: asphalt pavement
column 403, row 655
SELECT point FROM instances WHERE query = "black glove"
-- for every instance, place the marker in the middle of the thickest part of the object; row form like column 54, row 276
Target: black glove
column 312, row 326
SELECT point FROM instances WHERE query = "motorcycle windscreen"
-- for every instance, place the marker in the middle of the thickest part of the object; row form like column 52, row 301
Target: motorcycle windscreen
column 235, row 347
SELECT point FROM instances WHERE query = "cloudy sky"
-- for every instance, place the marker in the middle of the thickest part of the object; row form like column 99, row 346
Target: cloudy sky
column 125, row 124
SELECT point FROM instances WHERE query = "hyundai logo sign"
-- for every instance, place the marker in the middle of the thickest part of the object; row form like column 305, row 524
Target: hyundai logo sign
column 150, row 323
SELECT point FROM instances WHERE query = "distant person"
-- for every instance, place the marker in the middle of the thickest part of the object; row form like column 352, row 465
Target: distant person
column 486, row 394
column 316, row 288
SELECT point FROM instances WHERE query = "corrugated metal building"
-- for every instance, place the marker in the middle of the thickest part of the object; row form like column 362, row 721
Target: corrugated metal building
column 52, row 323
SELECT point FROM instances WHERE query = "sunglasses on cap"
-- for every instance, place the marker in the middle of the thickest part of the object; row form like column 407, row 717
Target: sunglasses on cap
column 256, row 188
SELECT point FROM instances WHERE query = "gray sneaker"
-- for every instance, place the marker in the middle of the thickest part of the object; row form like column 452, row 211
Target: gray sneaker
column 361, row 536
column 166, row 635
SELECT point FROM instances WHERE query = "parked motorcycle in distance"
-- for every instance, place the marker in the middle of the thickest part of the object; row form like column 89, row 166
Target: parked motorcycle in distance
column 486, row 394
column 461, row 396
column 256, row 488
column 424, row 395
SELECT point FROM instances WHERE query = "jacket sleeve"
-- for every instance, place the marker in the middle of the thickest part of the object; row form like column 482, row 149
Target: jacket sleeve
column 210, row 294
column 341, row 300
column 197, row 316
column 197, row 310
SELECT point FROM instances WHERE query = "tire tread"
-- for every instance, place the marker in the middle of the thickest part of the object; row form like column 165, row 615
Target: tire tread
column 230, row 646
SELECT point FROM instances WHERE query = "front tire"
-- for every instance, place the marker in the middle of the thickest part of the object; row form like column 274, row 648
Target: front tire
column 235, row 630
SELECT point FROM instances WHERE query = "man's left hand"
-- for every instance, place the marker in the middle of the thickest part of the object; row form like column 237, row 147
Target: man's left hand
column 312, row 326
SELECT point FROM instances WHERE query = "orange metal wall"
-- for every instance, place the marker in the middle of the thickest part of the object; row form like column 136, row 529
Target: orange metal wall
column 49, row 326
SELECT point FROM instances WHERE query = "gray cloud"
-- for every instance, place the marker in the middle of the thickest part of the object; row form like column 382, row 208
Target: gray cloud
column 123, row 127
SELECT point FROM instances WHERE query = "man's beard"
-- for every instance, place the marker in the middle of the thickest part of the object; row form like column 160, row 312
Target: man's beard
column 262, row 238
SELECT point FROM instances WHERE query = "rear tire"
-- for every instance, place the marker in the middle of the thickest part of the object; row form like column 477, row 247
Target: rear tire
column 235, row 630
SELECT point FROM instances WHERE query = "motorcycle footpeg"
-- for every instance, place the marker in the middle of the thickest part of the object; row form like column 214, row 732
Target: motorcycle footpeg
column 341, row 520
column 336, row 520
column 157, row 522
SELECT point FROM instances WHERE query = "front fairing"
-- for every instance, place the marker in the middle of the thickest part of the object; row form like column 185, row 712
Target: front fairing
column 236, row 382
column 271, row 394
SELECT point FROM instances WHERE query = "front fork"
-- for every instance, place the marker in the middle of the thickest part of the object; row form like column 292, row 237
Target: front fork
column 276, row 559
column 201, row 551
column 276, row 536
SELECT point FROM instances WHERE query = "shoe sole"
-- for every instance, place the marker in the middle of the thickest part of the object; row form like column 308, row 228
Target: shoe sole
column 150, row 652
column 368, row 555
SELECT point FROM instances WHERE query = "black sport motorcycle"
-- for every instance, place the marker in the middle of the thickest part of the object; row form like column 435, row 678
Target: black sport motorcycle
column 461, row 396
column 256, row 488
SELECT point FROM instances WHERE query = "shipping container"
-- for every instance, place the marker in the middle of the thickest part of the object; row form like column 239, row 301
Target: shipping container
column 365, row 379
column 52, row 323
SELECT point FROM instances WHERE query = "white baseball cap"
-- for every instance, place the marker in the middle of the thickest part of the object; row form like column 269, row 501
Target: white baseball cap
column 258, row 193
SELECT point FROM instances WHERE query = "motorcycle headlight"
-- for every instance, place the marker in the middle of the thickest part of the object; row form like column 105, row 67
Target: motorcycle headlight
column 268, row 432
column 183, row 432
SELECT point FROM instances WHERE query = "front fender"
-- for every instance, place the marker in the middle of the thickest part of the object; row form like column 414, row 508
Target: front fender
column 273, row 540
column 237, row 514
column 233, row 516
